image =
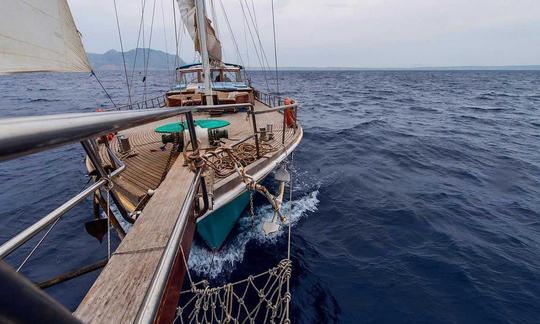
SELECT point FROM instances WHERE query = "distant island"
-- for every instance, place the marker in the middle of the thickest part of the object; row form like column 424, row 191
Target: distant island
column 112, row 60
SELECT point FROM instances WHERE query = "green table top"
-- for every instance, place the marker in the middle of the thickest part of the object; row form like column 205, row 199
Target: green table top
column 203, row 123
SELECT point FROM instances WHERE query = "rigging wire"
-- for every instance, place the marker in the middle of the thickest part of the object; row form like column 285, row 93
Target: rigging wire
column 256, row 29
column 122, row 49
column 182, row 32
column 246, row 42
column 175, row 38
column 37, row 245
column 261, row 62
column 165, row 38
column 102, row 87
column 149, row 46
column 253, row 8
column 275, row 48
column 143, row 3
column 214, row 17
column 46, row 234
column 231, row 32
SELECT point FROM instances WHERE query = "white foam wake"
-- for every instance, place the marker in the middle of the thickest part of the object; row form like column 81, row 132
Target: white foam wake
column 209, row 264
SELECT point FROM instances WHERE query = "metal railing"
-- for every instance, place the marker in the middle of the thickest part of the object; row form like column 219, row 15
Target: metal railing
column 35, row 228
column 152, row 300
column 276, row 103
column 26, row 135
column 156, row 102
column 268, row 99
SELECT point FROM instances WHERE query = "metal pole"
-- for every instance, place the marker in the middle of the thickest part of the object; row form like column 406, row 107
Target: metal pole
column 256, row 134
column 193, row 137
column 29, row 232
column 284, row 126
column 191, row 129
column 22, row 302
column 103, row 174
column 72, row 274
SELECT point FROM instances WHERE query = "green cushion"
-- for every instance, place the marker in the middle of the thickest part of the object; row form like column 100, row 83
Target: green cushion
column 203, row 123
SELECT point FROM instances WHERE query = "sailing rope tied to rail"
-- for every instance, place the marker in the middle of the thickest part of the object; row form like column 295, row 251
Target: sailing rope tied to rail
column 261, row 298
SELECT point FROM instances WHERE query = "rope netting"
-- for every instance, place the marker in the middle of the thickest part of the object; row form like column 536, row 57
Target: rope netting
column 263, row 298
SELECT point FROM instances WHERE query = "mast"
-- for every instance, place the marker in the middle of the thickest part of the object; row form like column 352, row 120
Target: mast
column 201, row 24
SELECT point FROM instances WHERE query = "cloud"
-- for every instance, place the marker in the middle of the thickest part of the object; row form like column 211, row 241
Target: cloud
column 366, row 33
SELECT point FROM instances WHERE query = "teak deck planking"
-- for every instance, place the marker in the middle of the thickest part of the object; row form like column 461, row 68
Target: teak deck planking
column 119, row 291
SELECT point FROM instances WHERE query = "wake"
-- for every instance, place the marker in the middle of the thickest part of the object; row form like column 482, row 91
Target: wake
column 208, row 264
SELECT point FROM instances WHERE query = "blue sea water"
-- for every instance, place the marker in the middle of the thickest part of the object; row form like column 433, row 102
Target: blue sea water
column 416, row 199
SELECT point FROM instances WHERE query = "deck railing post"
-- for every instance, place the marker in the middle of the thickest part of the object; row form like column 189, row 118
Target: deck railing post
column 283, row 133
column 191, row 129
column 255, row 133
column 295, row 117
column 103, row 174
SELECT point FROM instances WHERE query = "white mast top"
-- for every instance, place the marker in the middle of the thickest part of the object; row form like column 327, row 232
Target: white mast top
column 39, row 35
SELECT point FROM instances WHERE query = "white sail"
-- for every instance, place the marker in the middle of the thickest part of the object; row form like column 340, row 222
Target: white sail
column 187, row 11
column 39, row 35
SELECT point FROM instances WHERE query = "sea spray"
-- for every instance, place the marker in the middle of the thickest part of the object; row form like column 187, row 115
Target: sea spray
column 211, row 264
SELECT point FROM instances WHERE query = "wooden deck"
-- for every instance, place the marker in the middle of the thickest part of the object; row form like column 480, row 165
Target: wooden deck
column 147, row 165
column 119, row 291
column 117, row 294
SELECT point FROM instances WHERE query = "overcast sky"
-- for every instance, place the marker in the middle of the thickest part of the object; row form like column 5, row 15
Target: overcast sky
column 340, row 33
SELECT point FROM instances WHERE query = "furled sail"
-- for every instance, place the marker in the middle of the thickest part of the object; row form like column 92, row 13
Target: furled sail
column 39, row 35
column 188, row 11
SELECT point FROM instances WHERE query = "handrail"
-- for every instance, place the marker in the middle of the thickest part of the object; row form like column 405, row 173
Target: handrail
column 149, row 309
column 258, row 112
column 141, row 104
column 29, row 232
column 271, row 100
column 25, row 135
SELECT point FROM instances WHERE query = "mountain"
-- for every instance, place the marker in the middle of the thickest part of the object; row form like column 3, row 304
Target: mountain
column 112, row 60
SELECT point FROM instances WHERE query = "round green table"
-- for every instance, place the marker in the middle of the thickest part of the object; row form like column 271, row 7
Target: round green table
column 203, row 123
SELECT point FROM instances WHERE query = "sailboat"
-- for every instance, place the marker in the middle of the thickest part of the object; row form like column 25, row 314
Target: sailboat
column 188, row 161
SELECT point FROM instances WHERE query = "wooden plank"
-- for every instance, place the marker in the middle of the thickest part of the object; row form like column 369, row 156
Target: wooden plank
column 119, row 291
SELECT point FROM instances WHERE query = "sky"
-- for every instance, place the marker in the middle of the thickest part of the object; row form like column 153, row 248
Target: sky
column 335, row 33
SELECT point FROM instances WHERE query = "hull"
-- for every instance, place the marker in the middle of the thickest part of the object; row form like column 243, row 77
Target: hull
column 216, row 226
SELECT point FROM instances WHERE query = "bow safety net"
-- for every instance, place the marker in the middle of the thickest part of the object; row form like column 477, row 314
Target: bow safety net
column 261, row 298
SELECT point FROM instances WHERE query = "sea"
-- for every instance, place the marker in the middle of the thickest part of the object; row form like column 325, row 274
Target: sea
column 416, row 194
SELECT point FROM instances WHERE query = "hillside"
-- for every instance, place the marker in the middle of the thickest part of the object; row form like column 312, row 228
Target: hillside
column 112, row 60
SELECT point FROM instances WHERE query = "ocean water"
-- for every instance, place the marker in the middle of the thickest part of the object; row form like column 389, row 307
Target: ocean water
column 416, row 195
